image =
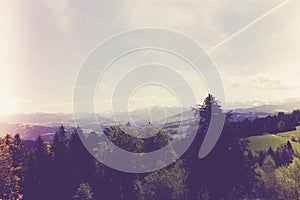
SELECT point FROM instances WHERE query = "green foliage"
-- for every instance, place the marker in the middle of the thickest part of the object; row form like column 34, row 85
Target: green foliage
column 267, row 179
column 84, row 192
column 290, row 134
column 279, row 183
column 64, row 169
column 206, row 110
column 145, row 139
column 167, row 183
column 38, row 173
column 9, row 179
column 264, row 142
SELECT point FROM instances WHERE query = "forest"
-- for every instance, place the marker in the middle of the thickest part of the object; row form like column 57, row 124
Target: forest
column 64, row 170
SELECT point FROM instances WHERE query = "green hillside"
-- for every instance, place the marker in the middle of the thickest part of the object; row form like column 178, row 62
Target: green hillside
column 290, row 134
column 264, row 142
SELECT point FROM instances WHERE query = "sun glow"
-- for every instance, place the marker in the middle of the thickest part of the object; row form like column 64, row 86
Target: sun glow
column 15, row 53
column 7, row 60
column 7, row 102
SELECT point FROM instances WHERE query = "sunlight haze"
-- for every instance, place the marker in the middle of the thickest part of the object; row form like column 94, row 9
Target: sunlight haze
column 254, row 44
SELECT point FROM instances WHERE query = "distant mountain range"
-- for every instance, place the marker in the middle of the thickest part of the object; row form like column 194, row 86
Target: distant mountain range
column 48, row 118
column 154, row 114
column 283, row 107
column 264, row 110
column 45, row 124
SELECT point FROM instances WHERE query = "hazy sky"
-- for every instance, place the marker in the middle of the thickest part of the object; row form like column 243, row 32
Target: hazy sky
column 254, row 44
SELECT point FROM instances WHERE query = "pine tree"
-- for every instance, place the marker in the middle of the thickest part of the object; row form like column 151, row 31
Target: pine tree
column 19, row 156
column 205, row 111
column 37, row 176
column 83, row 165
column 294, row 173
column 61, row 180
column 267, row 180
column 9, row 181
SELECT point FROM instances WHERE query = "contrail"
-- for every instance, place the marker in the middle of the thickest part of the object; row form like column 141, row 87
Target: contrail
column 259, row 43
column 185, row 26
column 246, row 27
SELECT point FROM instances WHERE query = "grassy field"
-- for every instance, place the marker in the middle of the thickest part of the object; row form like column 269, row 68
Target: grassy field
column 264, row 142
column 290, row 134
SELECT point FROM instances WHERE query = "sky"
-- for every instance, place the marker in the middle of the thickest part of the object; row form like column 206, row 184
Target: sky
column 255, row 46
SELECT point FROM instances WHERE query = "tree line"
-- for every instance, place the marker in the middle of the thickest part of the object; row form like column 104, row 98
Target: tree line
column 64, row 170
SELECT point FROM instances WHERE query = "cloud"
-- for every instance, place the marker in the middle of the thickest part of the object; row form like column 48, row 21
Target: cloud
column 24, row 101
column 62, row 13
column 66, row 107
column 258, row 81
column 256, row 61
column 249, row 25
column 262, row 81
column 245, row 104
column 195, row 18
column 235, row 81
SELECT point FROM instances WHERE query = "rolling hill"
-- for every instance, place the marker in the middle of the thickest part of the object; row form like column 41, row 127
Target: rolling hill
column 264, row 142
